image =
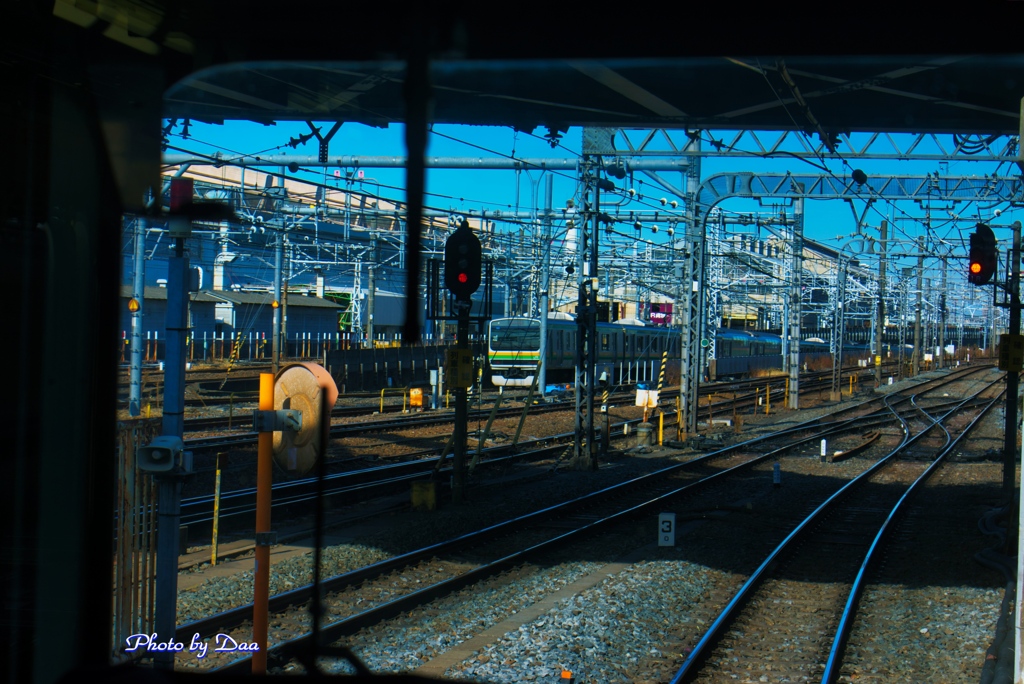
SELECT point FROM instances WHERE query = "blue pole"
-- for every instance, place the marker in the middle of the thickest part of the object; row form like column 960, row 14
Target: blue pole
column 138, row 293
column 169, row 505
column 177, row 331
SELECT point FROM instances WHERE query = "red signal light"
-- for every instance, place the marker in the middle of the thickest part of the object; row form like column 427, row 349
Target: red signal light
column 462, row 262
column 984, row 258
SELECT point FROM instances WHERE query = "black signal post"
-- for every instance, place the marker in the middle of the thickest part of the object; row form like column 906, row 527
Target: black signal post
column 1010, row 453
column 462, row 273
column 981, row 270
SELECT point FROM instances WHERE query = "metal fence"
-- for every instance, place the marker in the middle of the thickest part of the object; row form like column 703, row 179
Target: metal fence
column 135, row 526
column 373, row 369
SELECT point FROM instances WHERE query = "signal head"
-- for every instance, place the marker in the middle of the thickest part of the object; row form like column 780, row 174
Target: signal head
column 463, row 256
column 984, row 258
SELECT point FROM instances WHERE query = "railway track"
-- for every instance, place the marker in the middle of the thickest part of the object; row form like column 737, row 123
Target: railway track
column 358, row 483
column 671, row 482
column 361, row 483
column 205, row 390
column 402, row 421
column 791, row 619
column 739, row 397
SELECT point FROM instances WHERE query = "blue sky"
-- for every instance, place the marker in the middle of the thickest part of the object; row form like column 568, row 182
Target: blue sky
column 459, row 189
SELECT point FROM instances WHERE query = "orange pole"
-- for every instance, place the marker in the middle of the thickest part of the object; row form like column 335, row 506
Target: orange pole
column 261, row 576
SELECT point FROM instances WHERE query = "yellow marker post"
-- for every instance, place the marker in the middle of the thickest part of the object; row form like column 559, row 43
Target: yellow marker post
column 679, row 419
column 216, row 507
column 661, row 428
column 767, row 399
column 261, row 576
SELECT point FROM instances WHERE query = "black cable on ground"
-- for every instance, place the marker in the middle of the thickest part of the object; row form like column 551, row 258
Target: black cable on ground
column 999, row 660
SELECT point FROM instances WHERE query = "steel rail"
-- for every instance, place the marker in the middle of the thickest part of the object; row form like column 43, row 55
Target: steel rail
column 834, row 661
column 423, row 468
column 691, row 666
column 300, row 595
column 371, row 616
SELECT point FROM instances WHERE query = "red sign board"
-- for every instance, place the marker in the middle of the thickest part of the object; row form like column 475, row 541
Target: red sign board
column 181, row 193
column 661, row 314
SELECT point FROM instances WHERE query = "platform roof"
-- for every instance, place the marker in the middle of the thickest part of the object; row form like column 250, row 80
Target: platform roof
column 264, row 299
column 823, row 68
column 822, row 95
column 152, row 292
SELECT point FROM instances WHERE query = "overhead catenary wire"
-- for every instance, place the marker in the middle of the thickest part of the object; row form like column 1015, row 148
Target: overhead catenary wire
column 642, row 201
column 398, row 204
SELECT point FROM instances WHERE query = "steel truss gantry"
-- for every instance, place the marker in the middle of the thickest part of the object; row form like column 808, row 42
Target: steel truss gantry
column 720, row 187
column 643, row 156
column 587, row 284
column 749, row 144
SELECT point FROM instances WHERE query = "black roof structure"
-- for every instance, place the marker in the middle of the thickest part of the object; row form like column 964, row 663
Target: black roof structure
column 822, row 95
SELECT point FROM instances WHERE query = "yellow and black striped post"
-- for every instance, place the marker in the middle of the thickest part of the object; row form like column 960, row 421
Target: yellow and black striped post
column 661, row 375
column 236, row 350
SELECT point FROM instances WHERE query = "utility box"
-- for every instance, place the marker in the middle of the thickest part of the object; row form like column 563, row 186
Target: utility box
column 424, row 496
column 436, row 376
column 460, row 368
column 1011, row 353
column 645, row 435
column 647, row 398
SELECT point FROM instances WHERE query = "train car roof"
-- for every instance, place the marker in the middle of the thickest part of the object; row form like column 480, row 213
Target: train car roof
column 747, row 335
column 730, row 334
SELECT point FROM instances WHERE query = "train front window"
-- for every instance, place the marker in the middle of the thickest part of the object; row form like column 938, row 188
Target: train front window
column 515, row 335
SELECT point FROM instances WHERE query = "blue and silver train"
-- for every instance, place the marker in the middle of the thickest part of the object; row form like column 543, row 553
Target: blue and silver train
column 629, row 351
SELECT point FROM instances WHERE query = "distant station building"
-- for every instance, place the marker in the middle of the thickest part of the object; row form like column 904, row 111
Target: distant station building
column 202, row 314
column 239, row 311
column 221, row 315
